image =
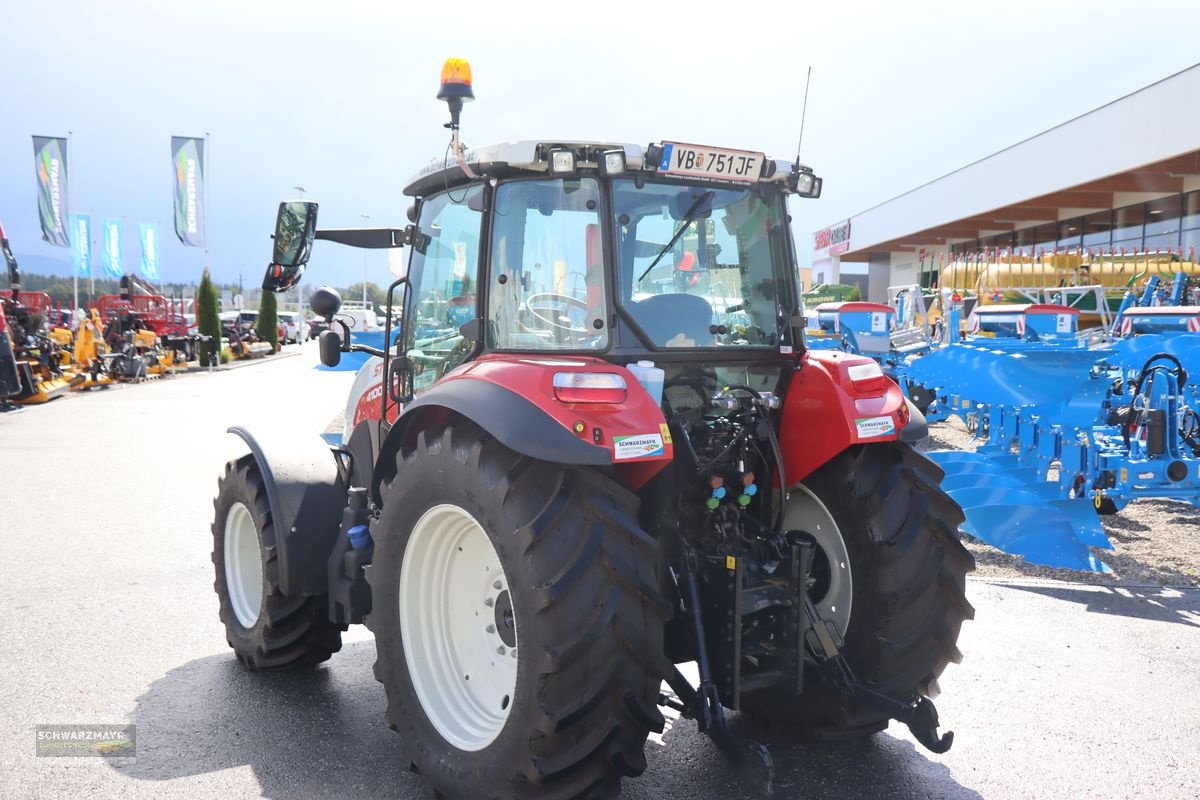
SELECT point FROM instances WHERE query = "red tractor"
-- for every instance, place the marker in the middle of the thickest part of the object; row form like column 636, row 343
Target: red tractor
column 570, row 469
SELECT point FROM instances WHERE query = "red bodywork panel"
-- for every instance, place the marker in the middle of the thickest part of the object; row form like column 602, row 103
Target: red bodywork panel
column 154, row 309
column 624, row 429
column 370, row 402
column 35, row 301
column 825, row 411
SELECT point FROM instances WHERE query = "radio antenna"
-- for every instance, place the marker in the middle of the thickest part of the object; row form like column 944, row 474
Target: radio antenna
column 803, row 114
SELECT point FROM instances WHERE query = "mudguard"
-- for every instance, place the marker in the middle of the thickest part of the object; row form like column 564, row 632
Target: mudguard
column 512, row 398
column 307, row 495
column 917, row 428
column 826, row 411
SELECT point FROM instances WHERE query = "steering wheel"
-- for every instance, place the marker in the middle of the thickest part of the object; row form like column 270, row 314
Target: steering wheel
column 543, row 304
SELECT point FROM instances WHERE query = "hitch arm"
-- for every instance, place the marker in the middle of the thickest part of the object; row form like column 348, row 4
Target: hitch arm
column 824, row 643
column 751, row 760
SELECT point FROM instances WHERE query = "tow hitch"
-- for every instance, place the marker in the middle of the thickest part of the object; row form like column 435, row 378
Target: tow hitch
column 816, row 644
column 824, row 643
column 752, row 760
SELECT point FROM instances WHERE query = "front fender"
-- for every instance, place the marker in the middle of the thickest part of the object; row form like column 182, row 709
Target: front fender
column 306, row 494
column 512, row 398
column 826, row 411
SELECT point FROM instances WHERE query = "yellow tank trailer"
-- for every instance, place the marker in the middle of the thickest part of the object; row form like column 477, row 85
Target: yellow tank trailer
column 1016, row 280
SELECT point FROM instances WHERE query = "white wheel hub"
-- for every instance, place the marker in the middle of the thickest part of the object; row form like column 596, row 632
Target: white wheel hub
column 833, row 585
column 243, row 565
column 458, row 627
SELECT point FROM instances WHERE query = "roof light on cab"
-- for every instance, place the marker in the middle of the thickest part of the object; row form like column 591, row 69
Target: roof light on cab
column 612, row 162
column 560, row 160
column 456, row 80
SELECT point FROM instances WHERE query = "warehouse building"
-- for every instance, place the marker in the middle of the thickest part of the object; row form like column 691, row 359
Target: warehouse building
column 1124, row 178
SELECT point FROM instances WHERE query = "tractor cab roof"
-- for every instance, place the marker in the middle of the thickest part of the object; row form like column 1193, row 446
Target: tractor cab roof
column 533, row 156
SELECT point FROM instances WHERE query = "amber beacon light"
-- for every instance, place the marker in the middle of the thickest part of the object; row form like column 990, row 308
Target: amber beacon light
column 456, row 81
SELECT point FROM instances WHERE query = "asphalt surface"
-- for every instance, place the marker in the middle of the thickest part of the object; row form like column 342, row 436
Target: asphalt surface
column 107, row 615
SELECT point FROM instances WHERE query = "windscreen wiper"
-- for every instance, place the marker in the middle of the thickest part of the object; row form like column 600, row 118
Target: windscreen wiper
column 688, row 219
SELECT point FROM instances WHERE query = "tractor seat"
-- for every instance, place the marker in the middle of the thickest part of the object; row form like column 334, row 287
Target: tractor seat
column 675, row 320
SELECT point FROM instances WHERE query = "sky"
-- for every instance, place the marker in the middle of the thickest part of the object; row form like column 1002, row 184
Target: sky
column 340, row 98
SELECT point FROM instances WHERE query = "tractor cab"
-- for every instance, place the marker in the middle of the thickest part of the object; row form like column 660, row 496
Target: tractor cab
column 606, row 248
column 613, row 252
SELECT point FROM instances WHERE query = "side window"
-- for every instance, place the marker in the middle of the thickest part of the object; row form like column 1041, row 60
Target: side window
column 445, row 267
column 546, row 279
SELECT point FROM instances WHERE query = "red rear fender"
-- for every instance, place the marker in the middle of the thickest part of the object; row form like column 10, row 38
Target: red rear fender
column 514, row 399
column 836, row 400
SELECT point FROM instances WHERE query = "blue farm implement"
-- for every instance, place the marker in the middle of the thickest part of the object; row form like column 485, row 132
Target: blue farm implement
column 1068, row 428
column 869, row 329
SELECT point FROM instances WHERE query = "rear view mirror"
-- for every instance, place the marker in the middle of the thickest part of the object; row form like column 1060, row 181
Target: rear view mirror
column 325, row 302
column 330, row 344
column 295, row 230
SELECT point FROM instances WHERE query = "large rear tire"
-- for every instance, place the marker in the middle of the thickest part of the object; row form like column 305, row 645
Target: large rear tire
column 908, row 572
column 266, row 629
column 479, row 552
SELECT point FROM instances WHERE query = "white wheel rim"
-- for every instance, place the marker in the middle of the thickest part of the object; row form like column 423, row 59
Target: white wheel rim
column 243, row 565
column 459, row 643
column 806, row 513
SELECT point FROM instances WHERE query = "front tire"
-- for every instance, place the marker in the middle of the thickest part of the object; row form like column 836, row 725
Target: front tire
column 266, row 629
column 908, row 571
column 479, row 552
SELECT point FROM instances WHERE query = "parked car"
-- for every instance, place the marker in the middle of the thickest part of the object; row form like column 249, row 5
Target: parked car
column 315, row 326
column 295, row 327
column 229, row 323
column 247, row 320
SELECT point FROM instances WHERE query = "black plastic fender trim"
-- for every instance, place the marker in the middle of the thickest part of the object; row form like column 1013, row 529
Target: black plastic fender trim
column 307, row 495
column 515, row 421
column 916, row 428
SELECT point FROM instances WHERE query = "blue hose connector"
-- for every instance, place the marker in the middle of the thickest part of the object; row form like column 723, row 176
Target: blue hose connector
column 360, row 537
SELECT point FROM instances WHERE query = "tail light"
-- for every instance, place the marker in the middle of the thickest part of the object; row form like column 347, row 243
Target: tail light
column 589, row 387
column 866, row 377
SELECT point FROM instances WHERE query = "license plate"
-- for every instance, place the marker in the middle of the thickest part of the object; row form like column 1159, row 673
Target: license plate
column 710, row 162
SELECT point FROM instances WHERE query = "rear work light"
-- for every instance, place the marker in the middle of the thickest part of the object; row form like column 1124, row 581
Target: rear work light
column 589, row 387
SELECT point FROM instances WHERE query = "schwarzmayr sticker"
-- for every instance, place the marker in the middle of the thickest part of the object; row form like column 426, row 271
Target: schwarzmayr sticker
column 869, row 427
column 637, row 446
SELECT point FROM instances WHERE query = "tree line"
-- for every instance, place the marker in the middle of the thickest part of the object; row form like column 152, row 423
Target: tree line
column 60, row 289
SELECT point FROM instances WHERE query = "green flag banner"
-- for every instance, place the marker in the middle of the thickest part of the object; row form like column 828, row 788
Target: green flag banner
column 50, row 165
column 187, row 155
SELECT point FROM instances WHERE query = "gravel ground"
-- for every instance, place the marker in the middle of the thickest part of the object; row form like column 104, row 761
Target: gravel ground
column 1157, row 542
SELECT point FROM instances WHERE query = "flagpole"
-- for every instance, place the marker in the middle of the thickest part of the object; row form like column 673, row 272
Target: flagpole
column 91, row 277
column 206, row 175
column 74, row 268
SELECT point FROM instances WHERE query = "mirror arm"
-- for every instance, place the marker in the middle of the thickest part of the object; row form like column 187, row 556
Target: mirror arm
column 362, row 348
column 369, row 238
